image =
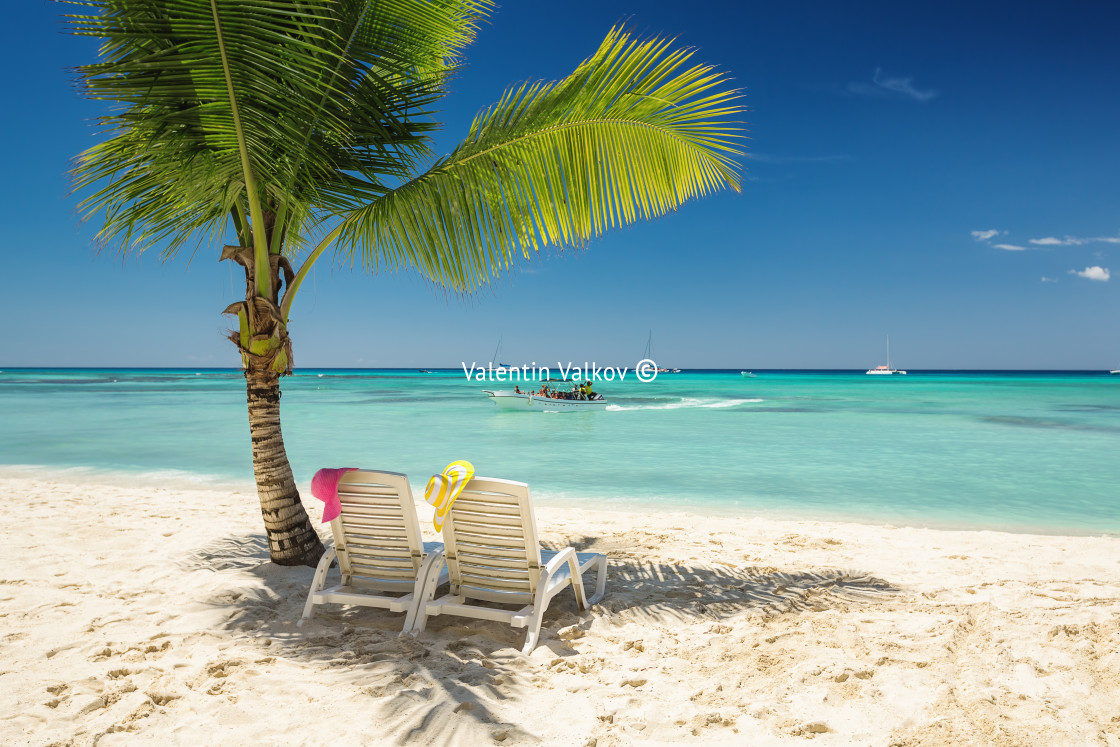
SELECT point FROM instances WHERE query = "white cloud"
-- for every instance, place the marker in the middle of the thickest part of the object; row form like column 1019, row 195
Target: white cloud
column 1093, row 273
column 881, row 85
column 991, row 233
column 1049, row 280
column 1074, row 240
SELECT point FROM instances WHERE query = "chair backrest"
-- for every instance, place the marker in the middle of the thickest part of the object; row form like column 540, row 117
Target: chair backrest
column 490, row 537
column 377, row 535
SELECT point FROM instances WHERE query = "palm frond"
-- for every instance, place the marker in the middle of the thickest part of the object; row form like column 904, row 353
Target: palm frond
column 332, row 94
column 633, row 132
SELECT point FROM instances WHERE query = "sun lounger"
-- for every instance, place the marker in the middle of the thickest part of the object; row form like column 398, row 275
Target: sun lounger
column 493, row 555
column 381, row 555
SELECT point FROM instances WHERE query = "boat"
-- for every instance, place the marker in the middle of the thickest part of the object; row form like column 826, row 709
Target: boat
column 514, row 400
column 647, row 355
column 1117, row 371
column 747, row 374
column 424, row 370
column 886, row 370
column 495, row 360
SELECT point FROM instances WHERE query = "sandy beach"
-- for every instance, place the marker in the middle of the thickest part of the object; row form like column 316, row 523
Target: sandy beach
column 150, row 614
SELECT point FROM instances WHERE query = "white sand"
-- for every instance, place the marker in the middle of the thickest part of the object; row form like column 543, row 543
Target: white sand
column 145, row 615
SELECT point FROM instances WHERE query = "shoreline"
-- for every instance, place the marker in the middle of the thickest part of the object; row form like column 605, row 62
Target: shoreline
column 181, row 479
column 138, row 612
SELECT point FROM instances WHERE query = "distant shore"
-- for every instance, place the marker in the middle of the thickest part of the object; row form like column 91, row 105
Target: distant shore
column 152, row 613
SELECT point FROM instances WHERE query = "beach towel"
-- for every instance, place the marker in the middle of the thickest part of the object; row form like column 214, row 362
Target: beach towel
column 445, row 487
column 324, row 486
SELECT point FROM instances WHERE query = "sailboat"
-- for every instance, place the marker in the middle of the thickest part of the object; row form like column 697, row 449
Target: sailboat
column 647, row 354
column 886, row 370
column 495, row 359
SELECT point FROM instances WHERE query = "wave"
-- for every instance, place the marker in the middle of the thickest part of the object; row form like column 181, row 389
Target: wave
column 687, row 403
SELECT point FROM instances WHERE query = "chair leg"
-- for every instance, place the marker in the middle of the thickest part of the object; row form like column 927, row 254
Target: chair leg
column 317, row 584
column 423, row 591
column 420, row 617
column 600, row 581
column 533, row 629
column 577, row 583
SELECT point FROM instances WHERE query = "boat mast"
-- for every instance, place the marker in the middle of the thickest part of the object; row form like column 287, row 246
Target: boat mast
column 496, row 359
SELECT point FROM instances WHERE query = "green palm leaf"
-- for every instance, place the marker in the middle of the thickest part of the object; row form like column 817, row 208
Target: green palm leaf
column 332, row 98
column 631, row 133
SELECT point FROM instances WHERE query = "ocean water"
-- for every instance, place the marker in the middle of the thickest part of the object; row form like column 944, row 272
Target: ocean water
column 997, row 450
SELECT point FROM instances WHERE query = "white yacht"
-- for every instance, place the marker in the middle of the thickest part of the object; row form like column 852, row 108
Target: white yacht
column 647, row 354
column 886, row 370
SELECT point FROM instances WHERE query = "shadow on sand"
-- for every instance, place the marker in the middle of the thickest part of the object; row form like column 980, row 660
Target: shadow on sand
column 440, row 687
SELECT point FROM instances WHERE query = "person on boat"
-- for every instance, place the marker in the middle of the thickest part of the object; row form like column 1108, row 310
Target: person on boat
column 516, row 389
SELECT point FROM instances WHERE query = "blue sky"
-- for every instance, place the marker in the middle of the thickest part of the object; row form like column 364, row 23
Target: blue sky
column 939, row 172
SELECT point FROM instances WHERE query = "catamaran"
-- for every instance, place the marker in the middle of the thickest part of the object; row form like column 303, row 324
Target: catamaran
column 886, row 370
column 555, row 395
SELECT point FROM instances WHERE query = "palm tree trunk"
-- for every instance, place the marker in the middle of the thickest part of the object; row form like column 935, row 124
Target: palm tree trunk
column 291, row 538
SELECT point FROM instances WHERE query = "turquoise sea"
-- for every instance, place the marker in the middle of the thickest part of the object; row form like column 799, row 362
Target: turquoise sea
column 1034, row 451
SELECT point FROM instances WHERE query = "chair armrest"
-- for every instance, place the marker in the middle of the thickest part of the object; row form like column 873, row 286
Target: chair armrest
column 325, row 563
column 430, row 564
column 567, row 555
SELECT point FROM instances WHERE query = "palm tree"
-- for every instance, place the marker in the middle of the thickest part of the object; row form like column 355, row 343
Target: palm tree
column 304, row 125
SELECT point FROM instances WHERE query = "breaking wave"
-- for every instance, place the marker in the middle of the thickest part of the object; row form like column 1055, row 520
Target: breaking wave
column 686, row 403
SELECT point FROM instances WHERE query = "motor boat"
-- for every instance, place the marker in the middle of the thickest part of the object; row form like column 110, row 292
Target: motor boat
column 511, row 399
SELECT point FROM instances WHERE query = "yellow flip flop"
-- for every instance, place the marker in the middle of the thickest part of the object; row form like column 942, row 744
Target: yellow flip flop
column 445, row 487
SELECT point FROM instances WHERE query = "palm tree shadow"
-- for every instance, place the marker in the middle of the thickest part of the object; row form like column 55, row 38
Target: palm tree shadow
column 455, row 680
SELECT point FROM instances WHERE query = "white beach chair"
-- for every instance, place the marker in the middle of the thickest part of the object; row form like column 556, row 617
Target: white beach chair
column 383, row 559
column 493, row 555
